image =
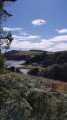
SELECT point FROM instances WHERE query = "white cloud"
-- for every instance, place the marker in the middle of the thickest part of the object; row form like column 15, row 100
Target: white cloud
column 38, row 22
column 58, row 47
column 59, row 38
column 62, row 31
column 30, row 37
column 11, row 29
column 53, row 44
column 29, row 45
column 23, row 33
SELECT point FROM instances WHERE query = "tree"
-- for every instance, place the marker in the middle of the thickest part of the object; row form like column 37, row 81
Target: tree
column 5, row 38
column 34, row 72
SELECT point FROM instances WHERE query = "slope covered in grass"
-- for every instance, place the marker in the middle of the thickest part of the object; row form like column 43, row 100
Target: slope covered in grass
column 24, row 97
column 28, row 53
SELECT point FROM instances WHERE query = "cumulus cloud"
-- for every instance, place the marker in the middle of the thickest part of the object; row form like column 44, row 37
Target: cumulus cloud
column 58, row 47
column 59, row 38
column 38, row 22
column 29, row 45
column 62, row 31
column 23, row 33
column 11, row 29
column 52, row 44
column 29, row 37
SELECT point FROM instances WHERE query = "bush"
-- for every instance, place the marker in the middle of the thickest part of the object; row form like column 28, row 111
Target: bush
column 2, row 65
column 17, row 70
column 12, row 68
column 18, row 102
column 63, row 72
column 34, row 72
column 57, row 72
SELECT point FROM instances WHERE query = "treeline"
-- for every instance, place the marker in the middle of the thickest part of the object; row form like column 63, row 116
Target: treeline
column 56, row 71
column 46, row 59
column 11, row 55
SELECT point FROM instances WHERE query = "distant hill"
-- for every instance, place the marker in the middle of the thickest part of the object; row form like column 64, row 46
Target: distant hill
column 21, row 55
column 37, row 50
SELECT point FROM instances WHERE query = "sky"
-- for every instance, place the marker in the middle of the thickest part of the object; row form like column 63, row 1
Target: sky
column 38, row 24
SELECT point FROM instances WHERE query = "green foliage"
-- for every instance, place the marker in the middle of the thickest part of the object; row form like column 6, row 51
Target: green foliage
column 1, row 60
column 34, row 72
column 2, row 66
column 54, row 86
column 20, row 100
column 47, row 59
column 30, row 67
column 46, row 106
column 5, row 38
column 57, row 72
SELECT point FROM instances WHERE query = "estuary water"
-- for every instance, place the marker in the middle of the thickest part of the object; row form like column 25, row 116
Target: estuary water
column 16, row 64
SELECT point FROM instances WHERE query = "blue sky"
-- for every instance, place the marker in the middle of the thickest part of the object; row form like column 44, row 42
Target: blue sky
column 38, row 24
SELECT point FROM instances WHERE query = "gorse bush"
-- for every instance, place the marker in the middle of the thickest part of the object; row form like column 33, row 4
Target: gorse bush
column 21, row 100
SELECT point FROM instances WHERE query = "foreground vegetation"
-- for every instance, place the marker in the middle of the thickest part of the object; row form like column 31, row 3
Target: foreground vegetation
column 24, row 97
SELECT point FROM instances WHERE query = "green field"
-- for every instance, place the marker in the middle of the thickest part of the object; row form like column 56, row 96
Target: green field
column 30, row 67
column 32, row 53
column 55, row 52
column 28, row 53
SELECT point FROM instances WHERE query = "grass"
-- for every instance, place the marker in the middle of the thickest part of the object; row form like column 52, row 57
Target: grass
column 39, row 80
column 30, row 67
column 44, row 81
column 31, row 53
column 54, row 52
column 51, row 53
column 48, row 82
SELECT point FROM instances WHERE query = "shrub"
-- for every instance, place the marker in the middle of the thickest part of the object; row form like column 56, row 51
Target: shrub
column 17, row 70
column 18, row 102
column 34, row 72
column 12, row 68
column 57, row 72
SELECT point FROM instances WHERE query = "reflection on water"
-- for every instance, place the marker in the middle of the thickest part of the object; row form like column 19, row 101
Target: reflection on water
column 17, row 64
column 14, row 63
column 24, row 71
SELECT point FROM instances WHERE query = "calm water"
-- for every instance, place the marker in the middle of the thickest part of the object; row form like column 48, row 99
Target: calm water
column 24, row 71
column 17, row 64
column 14, row 63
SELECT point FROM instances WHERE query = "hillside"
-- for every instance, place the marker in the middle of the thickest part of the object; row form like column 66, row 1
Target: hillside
column 21, row 55
column 25, row 97
column 31, row 52
column 51, row 65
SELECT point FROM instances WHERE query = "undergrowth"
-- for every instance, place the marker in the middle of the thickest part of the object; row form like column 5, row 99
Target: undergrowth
column 25, row 97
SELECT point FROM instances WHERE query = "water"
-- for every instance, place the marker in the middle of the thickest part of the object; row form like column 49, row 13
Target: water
column 16, row 64
column 24, row 71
